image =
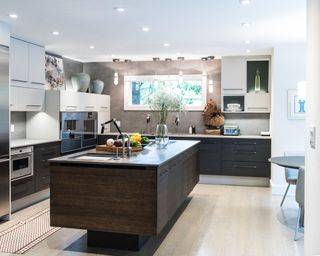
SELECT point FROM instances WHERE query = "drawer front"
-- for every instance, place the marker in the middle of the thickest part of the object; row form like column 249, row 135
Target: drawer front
column 249, row 169
column 22, row 188
column 246, row 150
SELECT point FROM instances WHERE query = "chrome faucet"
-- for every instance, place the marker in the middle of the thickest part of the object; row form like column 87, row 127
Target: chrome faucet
column 123, row 138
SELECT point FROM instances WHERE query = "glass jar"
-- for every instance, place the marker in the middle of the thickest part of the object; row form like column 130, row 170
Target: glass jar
column 162, row 137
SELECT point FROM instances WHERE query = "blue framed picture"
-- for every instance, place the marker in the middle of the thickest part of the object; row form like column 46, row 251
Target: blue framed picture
column 296, row 106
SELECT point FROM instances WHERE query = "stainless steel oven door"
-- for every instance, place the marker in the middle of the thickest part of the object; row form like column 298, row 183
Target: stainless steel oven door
column 21, row 166
column 89, row 122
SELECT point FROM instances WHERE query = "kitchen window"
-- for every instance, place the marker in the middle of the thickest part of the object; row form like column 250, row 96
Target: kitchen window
column 191, row 88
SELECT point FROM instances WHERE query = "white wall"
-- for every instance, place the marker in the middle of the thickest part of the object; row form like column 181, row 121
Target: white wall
column 288, row 68
column 312, row 175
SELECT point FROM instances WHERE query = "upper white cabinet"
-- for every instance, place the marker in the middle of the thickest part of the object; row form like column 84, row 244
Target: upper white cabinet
column 36, row 66
column 19, row 62
column 257, row 102
column 27, row 63
column 27, row 99
column 4, row 34
column 233, row 75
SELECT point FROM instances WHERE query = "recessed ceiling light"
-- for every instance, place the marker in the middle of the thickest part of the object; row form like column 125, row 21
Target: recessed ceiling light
column 166, row 44
column 13, row 16
column 248, row 51
column 244, row 2
column 246, row 24
column 91, row 47
column 55, row 33
column 145, row 29
column 247, row 42
column 119, row 9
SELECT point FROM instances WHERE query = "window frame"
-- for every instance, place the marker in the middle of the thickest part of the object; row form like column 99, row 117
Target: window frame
column 128, row 90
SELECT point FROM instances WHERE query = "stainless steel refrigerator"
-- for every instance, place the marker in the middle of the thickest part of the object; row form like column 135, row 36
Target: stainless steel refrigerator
column 4, row 132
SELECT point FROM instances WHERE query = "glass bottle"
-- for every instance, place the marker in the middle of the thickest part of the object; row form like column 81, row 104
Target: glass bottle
column 257, row 81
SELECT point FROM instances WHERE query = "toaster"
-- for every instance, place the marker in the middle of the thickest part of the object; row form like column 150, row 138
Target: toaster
column 231, row 130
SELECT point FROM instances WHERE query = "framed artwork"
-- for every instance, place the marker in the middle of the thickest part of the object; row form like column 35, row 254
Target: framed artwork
column 296, row 106
column 54, row 73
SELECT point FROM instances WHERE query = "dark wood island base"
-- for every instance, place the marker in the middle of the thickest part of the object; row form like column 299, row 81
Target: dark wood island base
column 122, row 203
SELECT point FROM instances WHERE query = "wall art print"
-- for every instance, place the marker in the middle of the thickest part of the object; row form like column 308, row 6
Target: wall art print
column 296, row 106
column 54, row 73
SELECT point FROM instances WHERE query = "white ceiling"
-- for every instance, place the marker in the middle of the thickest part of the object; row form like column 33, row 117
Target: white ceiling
column 193, row 28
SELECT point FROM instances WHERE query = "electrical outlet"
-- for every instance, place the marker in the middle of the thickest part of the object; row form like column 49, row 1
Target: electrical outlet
column 312, row 136
column 12, row 128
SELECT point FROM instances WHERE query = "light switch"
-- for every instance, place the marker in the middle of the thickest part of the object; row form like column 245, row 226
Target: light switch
column 312, row 136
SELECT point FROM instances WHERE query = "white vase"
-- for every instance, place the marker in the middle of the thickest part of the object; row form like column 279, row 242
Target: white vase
column 80, row 82
column 96, row 86
column 162, row 137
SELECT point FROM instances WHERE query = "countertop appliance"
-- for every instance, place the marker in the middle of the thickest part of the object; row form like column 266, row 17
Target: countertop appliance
column 78, row 130
column 21, row 163
column 231, row 130
column 4, row 133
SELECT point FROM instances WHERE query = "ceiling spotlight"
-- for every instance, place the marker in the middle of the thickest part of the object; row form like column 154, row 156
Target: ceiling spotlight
column 155, row 58
column 13, row 16
column 244, row 2
column 166, row 44
column 119, row 9
column 180, row 58
column 247, row 42
column 55, row 33
column 145, row 29
column 210, row 57
column 248, row 51
column 204, row 58
column 246, row 24
column 115, row 60
column 91, row 47
column 127, row 61
column 168, row 59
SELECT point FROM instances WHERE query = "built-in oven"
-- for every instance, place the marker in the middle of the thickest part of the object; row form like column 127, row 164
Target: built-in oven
column 89, row 135
column 21, row 163
column 78, row 130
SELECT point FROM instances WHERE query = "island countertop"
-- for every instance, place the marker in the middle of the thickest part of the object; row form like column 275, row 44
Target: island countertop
column 151, row 155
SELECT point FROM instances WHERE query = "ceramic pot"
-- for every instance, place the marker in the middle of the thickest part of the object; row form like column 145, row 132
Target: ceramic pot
column 96, row 86
column 80, row 82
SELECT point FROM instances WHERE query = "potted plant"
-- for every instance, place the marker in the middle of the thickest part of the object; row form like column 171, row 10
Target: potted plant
column 162, row 102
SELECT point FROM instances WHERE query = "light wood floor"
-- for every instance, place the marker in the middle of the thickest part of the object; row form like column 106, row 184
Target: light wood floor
column 216, row 220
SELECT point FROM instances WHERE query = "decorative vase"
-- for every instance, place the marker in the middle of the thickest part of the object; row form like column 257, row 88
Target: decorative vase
column 96, row 86
column 80, row 82
column 162, row 137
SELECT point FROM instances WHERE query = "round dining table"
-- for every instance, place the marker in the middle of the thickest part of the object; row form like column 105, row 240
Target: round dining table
column 294, row 162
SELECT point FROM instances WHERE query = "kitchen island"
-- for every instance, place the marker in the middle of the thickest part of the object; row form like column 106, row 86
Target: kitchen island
column 122, row 202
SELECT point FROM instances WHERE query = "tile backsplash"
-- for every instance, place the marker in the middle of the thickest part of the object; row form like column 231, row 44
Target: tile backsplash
column 18, row 119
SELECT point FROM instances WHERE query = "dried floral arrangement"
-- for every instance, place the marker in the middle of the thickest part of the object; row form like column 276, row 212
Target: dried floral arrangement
column 213, row 117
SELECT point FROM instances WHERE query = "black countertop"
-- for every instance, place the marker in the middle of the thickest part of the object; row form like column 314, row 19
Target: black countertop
column 151, row 155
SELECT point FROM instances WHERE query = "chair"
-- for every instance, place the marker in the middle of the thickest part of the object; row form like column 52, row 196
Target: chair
column 300, row 201
column 291, row 175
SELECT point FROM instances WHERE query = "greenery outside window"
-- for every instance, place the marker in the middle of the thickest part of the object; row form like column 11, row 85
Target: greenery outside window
column 192, row 90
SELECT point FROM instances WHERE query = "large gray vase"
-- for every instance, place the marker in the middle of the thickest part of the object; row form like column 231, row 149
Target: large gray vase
column 80, row 82
column 96, row 86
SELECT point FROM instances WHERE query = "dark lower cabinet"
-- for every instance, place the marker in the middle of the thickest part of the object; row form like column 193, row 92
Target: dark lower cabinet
column 41, row 176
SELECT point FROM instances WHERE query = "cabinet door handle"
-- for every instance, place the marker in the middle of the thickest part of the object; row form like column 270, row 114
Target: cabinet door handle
column 232, row 89
column 89, row 107
column 246, row 152
column 244, row 143
column 73, row 107
column 33, row 105
column 245, row 166
column 37, row 83
column 259, row 108
column 18, row 80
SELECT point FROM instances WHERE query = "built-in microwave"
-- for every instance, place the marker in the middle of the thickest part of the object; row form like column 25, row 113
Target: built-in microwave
column 21, row 163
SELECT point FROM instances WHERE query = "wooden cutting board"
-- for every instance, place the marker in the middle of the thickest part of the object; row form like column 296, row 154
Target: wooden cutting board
column 113, row 148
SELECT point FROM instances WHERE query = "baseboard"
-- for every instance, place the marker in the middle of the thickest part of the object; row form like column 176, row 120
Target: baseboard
column 29, row 200
column 234, row 180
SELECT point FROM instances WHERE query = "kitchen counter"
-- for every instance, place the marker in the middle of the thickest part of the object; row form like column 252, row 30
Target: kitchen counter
column 15, row 143
column 125, row 200
column 150, row 156
column 197, row 135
